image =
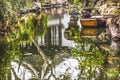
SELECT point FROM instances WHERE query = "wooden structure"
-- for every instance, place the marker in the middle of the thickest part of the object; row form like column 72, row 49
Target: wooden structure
column 89, row 31
column 93, row 22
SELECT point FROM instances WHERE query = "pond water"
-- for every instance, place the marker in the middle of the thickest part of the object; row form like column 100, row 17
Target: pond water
column 61, row 50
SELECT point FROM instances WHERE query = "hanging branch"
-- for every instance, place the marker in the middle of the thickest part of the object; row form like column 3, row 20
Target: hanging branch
column 39, row 49
column 45, row 64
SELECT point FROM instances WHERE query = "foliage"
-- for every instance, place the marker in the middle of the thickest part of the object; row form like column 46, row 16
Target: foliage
column 76, row 2
column 9, row 9
column 41, row 25
column 89, row 50
column 89, row 56
column 83, row 3
column 11, row 44
column 25, row 29
column 42, row 1
column 8, row 52
column 6, row 12
column 29, row 25
column 112, row 72
column 72, row 33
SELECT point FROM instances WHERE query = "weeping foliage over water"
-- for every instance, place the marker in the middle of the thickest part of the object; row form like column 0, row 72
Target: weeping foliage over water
column 10, row 49
column 29, row 25
column 20, row 51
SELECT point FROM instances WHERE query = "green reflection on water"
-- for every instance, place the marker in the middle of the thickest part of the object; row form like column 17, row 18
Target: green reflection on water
column 89, row 56
column 30, row 25
column 92, row 59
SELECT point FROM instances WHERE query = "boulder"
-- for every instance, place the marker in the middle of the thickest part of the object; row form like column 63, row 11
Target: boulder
column 118, row 5
column 114, row 28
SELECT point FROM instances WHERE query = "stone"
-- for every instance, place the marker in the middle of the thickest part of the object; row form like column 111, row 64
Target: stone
column 118, row 5
column 112, row 4
column 108, row 21
column 114, row 1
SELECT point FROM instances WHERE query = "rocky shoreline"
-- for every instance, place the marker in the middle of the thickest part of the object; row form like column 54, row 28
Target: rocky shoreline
column 110, row 11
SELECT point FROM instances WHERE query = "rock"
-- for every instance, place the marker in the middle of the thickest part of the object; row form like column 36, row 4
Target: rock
column 118, row 21
column 108, row 21
column 118, row 5
column 114, row 1
column 103, row 8
column 109, row 10
column 112, row 4
column 95, row 12
column 114, row 28
column 86, row 13
column 37, row 5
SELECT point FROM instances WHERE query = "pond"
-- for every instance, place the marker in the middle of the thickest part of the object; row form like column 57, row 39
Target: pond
column 53, row 45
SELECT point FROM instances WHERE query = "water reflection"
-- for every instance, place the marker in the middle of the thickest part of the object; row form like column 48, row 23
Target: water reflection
column 66, row 69
column 89, row 32
column 56, row 27
column 22, row 72
column 54, row 12
column 72, row 31
column 73, row 53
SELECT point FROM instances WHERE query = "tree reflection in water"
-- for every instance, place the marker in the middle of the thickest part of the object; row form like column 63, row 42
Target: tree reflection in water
column 22, row 36
column 89, row 61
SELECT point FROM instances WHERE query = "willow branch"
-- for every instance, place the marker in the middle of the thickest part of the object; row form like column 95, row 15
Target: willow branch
column 45, row 64
column 39, row 49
